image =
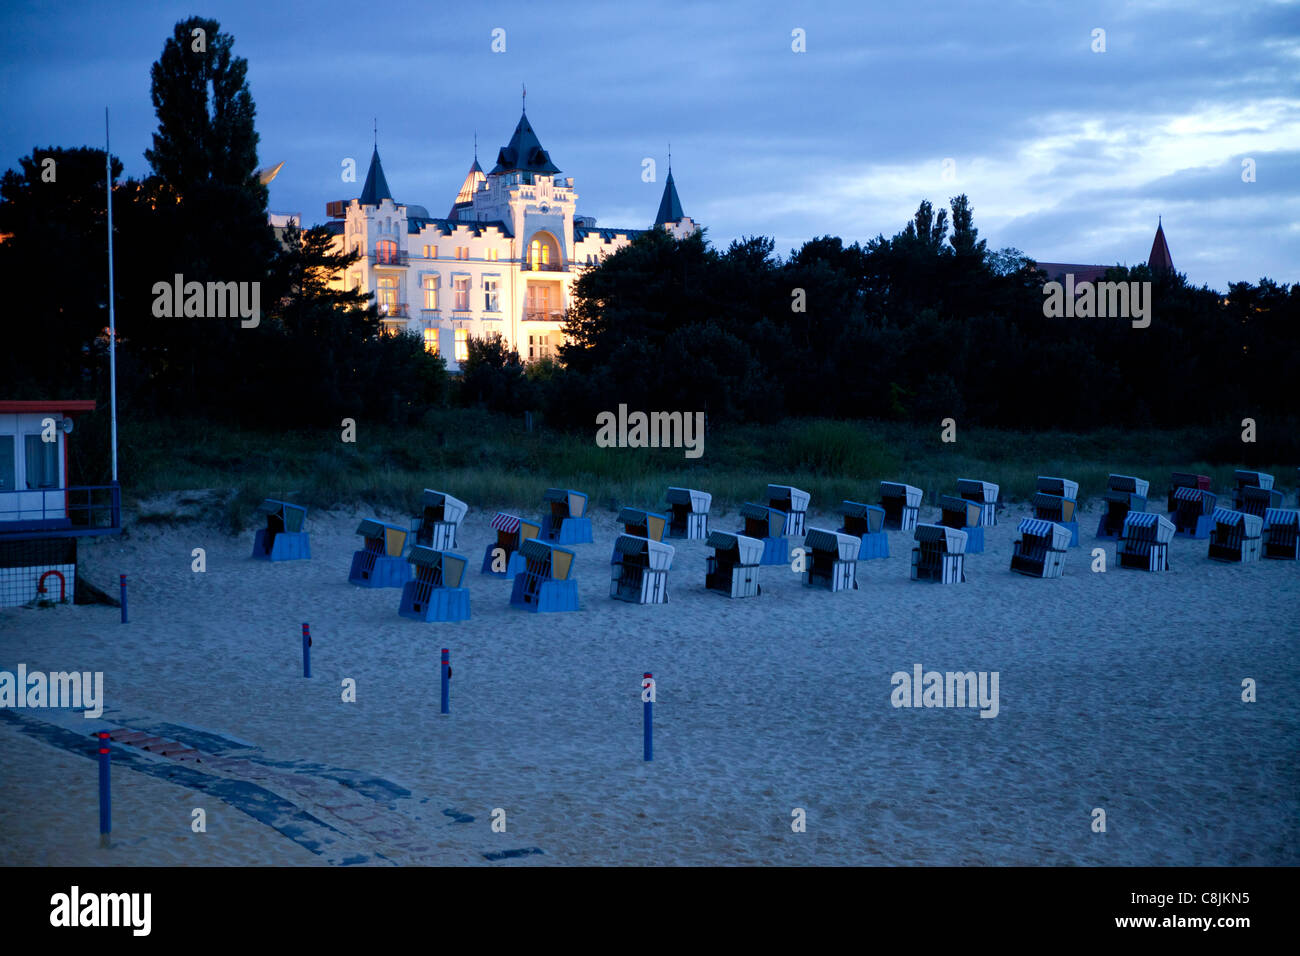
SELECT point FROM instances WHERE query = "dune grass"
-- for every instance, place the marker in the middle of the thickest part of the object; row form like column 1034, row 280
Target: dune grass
column 491, row 461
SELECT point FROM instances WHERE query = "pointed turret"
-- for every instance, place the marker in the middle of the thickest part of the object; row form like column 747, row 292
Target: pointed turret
column 1160, row 260
column 465, row 198
column 670, row 206
column 376, row 187
column 524, row 153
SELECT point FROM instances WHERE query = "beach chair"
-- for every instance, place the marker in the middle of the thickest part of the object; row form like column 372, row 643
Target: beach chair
column 437, row 593
column 768, row 526
column 1192, row 510
column 1144, row 541
column 1040, row 550
column 793, row 503
column 689, row 513
column 832, row 560
column 965, row 515
column 440, row 518
column 283, row 538
column 1183, row 479
column 1123, row 494
column 1237, row 536
column 902, row 504
column 1282, row 534
column 733, row 568
column 639, row 570
column 1056, row 501
column 643, row 524
column 546, row 583
column 939, row 554
column 567, row 522
column 1255, row 494
column 379, row 563
column 502, row 559
column 867, row 524
column 984, row 493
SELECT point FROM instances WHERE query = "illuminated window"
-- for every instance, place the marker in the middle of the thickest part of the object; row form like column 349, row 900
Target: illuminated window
column 431, row 341
column 490, row 299
column 387, row 295
column 462, row 252
column 462, row 294
column 539, row 253
column 386, row 252
column 431, row 292
column 492, row 255
column 462, row 345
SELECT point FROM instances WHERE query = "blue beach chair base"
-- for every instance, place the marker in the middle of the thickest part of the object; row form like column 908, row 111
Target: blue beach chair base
column 434, row 604
column 1204, row 525
column 776, row 551
column 551, row 596
column 1074, row 531
column 514, row 564
column 287, row 546
column 974, row 540
column 571, row 531
column 378, row 571
column 874, row 545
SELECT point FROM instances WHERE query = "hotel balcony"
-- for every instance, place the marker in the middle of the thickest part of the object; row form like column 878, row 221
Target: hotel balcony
column 394, row 312
column 390, row 260
column 543, row 315
column 542, row 267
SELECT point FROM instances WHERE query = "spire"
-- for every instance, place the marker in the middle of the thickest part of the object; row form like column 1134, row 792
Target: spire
column 376, row 187
column 524, row 153
column 1160, row 259
column 465, row 198
column 670, row 207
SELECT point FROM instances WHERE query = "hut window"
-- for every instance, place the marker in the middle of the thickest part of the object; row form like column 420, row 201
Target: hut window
column 7, row 462
column 42, row 462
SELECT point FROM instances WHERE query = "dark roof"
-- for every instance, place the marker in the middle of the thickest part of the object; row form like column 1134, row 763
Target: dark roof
column 670, row 207
column 1160, row 259
column 336, row 226
column 376, row 187
column 448, row 226
column 607, row 234
column 524, row 153
column 1082, row 273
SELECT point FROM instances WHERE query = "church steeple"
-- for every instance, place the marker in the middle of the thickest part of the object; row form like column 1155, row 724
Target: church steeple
column 1160, row 260
column 376, row 187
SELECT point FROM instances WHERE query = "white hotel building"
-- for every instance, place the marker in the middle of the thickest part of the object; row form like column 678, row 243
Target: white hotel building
column 503, row 260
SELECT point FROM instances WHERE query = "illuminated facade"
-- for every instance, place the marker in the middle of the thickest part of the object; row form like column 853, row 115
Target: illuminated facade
column 503, row 260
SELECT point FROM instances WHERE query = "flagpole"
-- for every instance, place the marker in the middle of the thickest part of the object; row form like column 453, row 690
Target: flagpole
column 112, row 321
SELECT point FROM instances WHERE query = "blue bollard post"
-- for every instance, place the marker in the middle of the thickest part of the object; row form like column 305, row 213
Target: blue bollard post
column 306, row 650
column 122, row 581
column 648, row 682
column 446, row 681
column 105, row 803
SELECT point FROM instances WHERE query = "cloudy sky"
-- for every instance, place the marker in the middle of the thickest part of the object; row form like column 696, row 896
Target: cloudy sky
column 1066, row 153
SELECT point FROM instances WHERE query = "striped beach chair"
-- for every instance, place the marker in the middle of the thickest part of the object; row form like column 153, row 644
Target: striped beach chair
column 733, row 567
column 1056, row 500
column 1255, row 494
column 1192, row 511
column 768, row 526
column 639, row 570
column 567, row 522
column 284, row 537
column 1144, row 541
column 1282, row 534
column 1123, row 494
column 902, row 504
column 985, row 494
column 791, row 501
column 643, row 524
column 546, row 584
column 1183, row 479
column 689, row 510
column 832, row 560
column 1040, row 550
column 1237, row 536
column 437, row 593
column 939, row 554
column 440, row 518
column 379, row 563
column 867, row 524
column 965, row 515
column 501, row 558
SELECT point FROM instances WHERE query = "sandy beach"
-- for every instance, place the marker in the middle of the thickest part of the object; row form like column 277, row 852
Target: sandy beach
column 1119, row 690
